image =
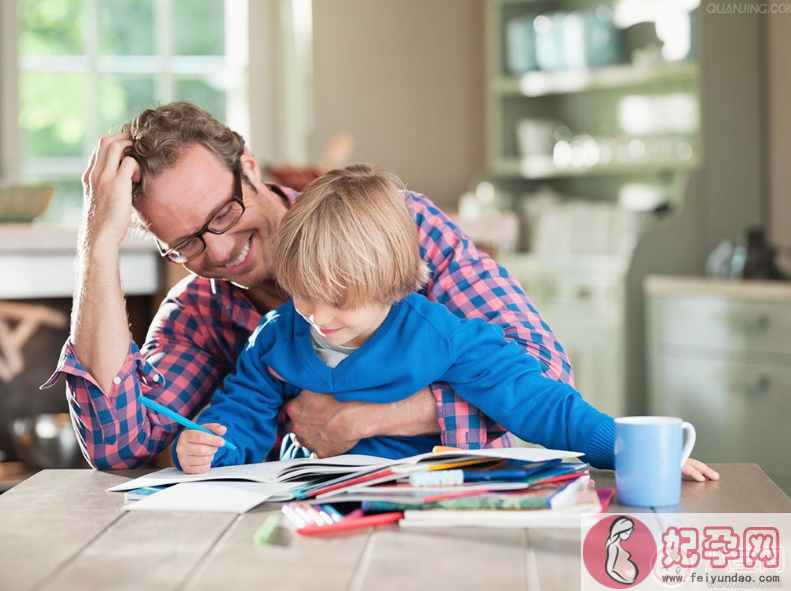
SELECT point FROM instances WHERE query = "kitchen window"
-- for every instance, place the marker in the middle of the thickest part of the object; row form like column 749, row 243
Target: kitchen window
column 74, row 70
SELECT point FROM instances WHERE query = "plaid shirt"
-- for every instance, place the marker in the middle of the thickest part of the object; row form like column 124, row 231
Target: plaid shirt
column 203, row 325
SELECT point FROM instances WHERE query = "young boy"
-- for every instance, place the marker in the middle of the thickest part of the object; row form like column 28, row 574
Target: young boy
column 356, row 329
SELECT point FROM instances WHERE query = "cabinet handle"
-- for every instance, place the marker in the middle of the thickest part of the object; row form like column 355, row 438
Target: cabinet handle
column 760, row 386
column 746, row 323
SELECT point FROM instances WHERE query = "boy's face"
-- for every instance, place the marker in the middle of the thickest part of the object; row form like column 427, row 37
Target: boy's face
column 349, row 327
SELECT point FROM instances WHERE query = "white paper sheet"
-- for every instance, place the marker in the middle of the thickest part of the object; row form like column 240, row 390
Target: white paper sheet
column 264, row 472
column 213, row 496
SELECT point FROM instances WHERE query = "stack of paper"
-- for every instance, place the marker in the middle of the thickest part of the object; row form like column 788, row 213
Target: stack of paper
column 491, row 490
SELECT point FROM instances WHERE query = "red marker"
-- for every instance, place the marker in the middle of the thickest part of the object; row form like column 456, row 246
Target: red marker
column 355, row 523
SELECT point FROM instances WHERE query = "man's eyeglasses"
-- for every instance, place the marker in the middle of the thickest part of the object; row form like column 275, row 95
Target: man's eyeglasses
column 221, row 222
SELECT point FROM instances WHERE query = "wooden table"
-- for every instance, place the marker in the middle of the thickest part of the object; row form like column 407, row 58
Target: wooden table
column 60, row 530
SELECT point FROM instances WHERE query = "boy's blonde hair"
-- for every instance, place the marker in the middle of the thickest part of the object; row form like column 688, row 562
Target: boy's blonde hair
column 350, row 240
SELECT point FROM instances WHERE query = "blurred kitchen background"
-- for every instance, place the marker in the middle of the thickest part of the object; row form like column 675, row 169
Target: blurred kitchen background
column 627, row 160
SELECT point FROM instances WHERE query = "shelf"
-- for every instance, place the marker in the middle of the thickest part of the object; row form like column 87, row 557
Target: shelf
column 543, row 168
column 535, row 84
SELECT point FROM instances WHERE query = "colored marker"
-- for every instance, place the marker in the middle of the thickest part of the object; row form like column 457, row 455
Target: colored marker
column 347, row 524
column 267, row 531
column 334, row 514
column 294, row 517
column 164, row 410
column 302, row 514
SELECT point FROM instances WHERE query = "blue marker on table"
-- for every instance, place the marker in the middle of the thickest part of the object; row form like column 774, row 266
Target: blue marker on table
column 164, row 410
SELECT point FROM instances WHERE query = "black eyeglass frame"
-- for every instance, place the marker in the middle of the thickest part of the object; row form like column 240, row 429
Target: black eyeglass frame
column 237, row 196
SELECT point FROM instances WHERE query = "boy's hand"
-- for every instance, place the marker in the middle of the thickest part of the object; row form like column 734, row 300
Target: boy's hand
column 196, row 449
column 699, row 471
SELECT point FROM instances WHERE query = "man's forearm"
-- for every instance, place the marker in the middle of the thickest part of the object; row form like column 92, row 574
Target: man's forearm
column 99, row 326
column 410, row 417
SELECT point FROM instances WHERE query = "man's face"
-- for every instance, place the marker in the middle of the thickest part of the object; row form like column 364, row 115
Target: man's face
column 182, row 199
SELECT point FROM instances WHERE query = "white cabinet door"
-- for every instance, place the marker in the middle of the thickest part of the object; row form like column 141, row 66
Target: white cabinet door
column 723, row 326
column 741, row 411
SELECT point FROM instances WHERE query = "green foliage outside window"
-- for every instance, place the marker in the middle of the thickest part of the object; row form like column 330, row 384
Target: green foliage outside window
column 199, row 27
column 127, row 27
column 51, row 27
column 54, row 106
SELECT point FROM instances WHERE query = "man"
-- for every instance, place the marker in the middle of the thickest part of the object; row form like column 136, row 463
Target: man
column 199, row 191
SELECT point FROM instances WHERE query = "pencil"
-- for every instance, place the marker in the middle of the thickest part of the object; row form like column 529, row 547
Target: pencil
column 164, row 410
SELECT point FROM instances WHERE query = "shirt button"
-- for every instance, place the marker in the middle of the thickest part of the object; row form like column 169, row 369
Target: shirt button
column 116, row 380
column 155, row 377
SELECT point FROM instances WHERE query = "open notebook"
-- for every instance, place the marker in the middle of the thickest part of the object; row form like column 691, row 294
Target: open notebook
column 239, row 488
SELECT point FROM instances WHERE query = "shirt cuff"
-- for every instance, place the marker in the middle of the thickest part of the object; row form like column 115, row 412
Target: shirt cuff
column 85, row 390
column 461, row 424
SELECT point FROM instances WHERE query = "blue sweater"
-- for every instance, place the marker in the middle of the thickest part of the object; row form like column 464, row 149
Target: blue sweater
column 419, row 343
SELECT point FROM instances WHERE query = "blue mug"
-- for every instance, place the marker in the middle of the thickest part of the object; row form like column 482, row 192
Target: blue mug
column 649, row 456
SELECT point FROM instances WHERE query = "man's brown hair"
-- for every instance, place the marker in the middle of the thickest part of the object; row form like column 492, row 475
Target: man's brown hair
column 162, row 133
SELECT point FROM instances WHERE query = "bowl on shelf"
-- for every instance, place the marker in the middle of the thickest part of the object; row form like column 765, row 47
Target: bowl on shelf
column 24, row 203
column 47, row 441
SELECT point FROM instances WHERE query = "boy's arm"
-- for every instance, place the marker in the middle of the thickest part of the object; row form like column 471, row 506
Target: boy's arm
column 247, row 405
column 496, row 377
column 177, row 368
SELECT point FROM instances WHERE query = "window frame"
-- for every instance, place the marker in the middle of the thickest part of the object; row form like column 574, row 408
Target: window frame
column 163, row 67
column 271, row 107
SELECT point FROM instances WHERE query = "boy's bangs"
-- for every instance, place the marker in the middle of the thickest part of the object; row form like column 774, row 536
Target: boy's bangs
column 336, row 287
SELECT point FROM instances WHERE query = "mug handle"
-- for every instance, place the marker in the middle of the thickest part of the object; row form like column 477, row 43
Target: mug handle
column 685, row 453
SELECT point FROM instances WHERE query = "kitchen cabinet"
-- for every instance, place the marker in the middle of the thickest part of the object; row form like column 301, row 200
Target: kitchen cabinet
column 569, row 100
column 571, row 96
column 719, row 356
column 698, row 176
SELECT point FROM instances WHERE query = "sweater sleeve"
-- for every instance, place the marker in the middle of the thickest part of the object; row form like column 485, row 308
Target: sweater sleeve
column 247, row 405
column 507, row 385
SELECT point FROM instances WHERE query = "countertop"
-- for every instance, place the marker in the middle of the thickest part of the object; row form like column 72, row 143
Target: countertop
column 746, row 289
column 38, row 262
column 34, row 239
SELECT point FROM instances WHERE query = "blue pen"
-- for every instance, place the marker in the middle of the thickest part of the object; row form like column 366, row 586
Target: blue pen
column 164, row 410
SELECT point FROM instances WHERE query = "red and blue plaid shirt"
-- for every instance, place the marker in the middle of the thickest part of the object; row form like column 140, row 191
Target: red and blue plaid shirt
column 202, row 327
